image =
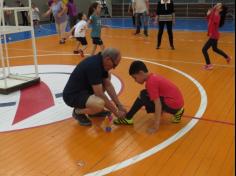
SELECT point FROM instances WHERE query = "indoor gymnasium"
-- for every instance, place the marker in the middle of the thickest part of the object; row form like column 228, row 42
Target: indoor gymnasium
column 117, row 87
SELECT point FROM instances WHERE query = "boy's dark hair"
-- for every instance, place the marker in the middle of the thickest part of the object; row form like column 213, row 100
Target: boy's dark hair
column 92, row 7
column 80, row 15
column 136, row 67
column 223, row 15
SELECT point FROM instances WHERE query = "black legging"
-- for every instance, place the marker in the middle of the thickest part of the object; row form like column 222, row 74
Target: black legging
column 24, row 18
column 212, row 43
column 169, row 30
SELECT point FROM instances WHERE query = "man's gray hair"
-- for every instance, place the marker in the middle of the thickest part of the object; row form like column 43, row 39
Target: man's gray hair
column 113, row 53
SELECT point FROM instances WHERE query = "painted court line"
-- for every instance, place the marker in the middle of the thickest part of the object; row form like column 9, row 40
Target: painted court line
column 153, row 60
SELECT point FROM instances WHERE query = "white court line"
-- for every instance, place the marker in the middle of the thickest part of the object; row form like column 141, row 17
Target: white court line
column 132, row 37
column 46, row 51
column 170, row 140
column 155, row 60
column 141, row 38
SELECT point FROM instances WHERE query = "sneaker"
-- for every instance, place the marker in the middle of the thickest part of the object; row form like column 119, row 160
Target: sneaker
column 76, row 52
column 82, row 119
column 137, row 32
column 228, row 59
column 81, row 53
column 146, row 34
column 123, row 121
column 62, row 41
column 208, row 67
column 177, row 117
column 101, row 114
column 172, row 47
column 158, row 47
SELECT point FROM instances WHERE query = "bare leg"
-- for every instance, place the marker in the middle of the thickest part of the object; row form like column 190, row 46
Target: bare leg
column 102, row 47
column 94, row 105
column 94, row 49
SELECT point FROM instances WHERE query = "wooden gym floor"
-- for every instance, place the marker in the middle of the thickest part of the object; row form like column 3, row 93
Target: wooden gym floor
column 201, row 146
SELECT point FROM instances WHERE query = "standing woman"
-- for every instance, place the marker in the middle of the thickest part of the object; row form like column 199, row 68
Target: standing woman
column 35, row 16
column 131, row 11
column 141, row 9
column 59, row 11
column 165, row 16
column 72, row 12
column 24, row 14
column 216, row 18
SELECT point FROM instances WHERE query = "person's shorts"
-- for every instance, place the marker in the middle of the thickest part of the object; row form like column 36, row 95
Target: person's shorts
column 97, row 41
column 78, row 100
column 82, row 40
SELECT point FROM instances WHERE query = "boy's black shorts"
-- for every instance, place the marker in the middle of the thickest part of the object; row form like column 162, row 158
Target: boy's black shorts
column 82, row 40
column 150, row 105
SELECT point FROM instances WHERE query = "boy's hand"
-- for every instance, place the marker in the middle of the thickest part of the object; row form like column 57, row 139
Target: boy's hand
column 153, row 127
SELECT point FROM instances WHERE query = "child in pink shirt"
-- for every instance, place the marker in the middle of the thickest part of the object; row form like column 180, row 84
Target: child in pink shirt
column 160, row 95
column 216, row 19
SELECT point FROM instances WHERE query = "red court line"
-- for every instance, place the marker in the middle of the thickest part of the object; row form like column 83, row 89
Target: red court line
column 203, row 119
column 210, row 120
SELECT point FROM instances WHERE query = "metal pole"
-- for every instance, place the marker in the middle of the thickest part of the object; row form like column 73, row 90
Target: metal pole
column 1, row 48
column 187, row 9
column 123, row 8
column 33, row 41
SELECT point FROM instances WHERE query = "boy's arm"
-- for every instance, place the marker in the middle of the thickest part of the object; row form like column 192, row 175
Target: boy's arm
column 157, row 117
column 70, row 32
column 90, row 21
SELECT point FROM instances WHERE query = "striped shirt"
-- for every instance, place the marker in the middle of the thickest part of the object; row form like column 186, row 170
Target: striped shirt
column 165, row 10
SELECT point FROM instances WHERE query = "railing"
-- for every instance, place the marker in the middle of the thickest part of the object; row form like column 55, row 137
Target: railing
column 187, row 10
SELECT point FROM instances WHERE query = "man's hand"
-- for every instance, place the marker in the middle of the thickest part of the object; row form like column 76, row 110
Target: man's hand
column 121, row 108
column 120, row 114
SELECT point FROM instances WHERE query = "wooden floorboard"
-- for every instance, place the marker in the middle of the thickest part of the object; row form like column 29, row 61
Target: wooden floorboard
column 65, row 148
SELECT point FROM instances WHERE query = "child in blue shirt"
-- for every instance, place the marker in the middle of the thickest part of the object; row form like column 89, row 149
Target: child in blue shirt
column 96, row 25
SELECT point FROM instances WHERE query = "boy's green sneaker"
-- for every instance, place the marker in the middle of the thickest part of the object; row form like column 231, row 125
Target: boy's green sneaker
column 123, row 121
column 177, row 117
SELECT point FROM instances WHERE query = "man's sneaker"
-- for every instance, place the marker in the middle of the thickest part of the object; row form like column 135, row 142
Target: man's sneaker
column 228, row 59
column 101, row 114
column 82, row 118
column 146, row 34
column 172, row 47
column 177, row 117
column 208, row 67
column 123, row 121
